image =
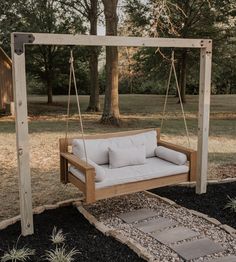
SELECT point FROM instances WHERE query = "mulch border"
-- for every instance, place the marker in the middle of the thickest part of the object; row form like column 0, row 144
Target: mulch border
column 78, row 202
column 137, row 248
column 40, row 209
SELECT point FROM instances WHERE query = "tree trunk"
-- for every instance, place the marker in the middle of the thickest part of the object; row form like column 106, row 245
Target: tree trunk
column 94, row 104
column 50, row 75
column 49, row 90
column 183, row 76
column 111, row 114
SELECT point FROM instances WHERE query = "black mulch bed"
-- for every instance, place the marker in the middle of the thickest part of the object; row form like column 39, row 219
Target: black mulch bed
column 212, row 203
column 92, row 244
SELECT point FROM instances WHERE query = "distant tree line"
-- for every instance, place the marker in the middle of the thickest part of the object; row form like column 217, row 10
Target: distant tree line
column 123, row 70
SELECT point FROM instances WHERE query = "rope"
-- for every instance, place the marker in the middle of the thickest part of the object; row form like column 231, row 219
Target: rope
column 68, row 102
column 166, row 97
column 180, row 99
column 72, row 77
column 181, row 104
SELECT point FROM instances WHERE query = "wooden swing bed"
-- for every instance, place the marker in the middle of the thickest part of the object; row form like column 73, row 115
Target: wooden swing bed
column 88, row 187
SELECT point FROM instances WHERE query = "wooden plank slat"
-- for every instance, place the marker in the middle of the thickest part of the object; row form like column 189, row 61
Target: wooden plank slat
column 77, row 162
column 77, row 182
column 116, row 134
column 90, row 186
column 91, row 40
column 193, row 166
column 138, row 186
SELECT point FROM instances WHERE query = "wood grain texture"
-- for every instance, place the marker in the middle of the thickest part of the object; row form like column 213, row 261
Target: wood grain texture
column 90, row 40
column 77, row 162
column 138, row 186
column 22, row 141
column 203, row 118
column 116, row 134
column 193, row 166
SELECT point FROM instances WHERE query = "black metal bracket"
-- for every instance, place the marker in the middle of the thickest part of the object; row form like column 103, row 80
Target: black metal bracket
column 21, row 39
column 208, row 45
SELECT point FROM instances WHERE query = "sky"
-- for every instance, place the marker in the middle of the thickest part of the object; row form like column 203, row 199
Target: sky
column 101, row 30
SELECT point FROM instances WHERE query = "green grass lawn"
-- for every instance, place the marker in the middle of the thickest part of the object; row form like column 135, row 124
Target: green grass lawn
column 135, row 104
column 47, row 125
column 137, row 111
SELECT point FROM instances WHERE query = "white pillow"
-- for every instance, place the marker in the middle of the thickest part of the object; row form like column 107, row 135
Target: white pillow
column 150, row 142
column 148, row 139
column 97, row 149
column 99, row 171
column 120, row 157
column 171, row 155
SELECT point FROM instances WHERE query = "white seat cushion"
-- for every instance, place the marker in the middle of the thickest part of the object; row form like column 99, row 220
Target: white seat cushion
column 97, row 149
column 153, row 168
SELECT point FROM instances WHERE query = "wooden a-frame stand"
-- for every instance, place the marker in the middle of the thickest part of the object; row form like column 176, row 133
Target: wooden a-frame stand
column 18, row 42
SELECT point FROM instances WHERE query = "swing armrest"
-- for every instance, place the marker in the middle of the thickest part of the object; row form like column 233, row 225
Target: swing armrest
column 77, row 162
column 88, row 188
column 187, row 151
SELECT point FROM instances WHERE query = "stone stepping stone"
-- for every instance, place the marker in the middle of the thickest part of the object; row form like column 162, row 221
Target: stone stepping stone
column 224, row 259
column 156, row 224
column 173, row 235
column 197, row 248
column 137, row 215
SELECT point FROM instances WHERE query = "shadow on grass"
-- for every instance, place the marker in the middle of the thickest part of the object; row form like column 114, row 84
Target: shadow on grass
column 224, row 158
column 218, row 127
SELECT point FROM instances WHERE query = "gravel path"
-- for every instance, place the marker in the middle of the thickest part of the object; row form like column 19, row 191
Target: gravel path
column 212, row 203
column 107, row 211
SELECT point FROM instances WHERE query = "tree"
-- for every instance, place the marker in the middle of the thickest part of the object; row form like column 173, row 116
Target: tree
column 94, row 104
column 111, row 114
column 47, row 66
column 10, row 21
column 196, row 20
column 179, row 18
column 89, row 9
column 47, row 16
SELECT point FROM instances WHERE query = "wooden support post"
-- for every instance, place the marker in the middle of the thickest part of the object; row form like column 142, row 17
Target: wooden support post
column 22, row 141
column 203, row 115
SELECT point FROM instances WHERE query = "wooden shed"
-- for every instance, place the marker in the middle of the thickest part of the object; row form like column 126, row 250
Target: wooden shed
column 6, row 88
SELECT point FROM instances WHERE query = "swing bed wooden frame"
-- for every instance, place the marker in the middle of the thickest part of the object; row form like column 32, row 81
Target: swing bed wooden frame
column 18, row 42
column 88, row 187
